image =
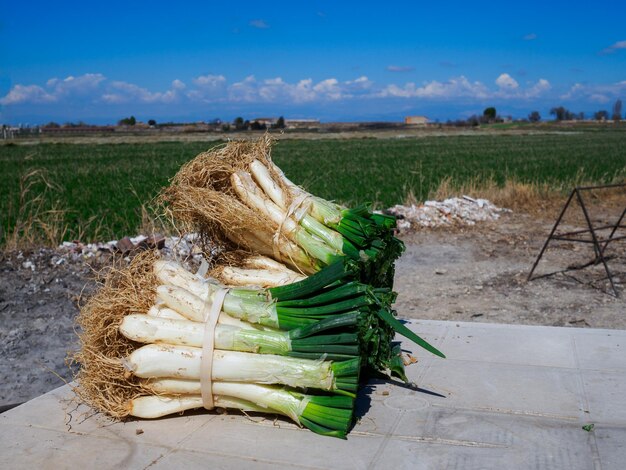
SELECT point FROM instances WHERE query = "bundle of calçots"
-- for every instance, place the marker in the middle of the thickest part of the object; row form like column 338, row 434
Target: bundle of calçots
column 237, row 197
column 308, row 305
column 142, row 354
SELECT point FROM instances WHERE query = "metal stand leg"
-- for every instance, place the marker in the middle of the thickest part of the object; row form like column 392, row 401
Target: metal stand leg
column 599, row 246
column 545, row 245
column 596, row 245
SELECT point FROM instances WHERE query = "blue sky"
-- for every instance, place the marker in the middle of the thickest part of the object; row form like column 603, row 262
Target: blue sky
column 99, row 62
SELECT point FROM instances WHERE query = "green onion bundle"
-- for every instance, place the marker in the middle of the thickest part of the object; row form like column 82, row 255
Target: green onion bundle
column 237, row 196
column 145, row 358
column 293, row 322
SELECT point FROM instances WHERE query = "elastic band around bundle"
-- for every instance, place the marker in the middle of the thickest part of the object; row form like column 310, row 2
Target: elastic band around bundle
column 211, row 314
column 293, row 207
column 203, row 269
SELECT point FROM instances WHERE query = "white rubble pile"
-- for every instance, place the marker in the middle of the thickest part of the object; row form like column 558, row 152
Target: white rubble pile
column 454, row 211
column 181, row 248
column 186, row 249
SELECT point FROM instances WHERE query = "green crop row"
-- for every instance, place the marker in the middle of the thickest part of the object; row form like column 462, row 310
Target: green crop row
column 100, row 188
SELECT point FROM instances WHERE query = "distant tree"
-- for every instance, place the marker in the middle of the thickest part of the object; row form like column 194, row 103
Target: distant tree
column 280, row 123
column 534, row 116
column 558, row 113
column 75, row 124
column 129, row 121
column 52, row 124
column 257, row 126
column 151, row 122
column 581, row 116
column 617, row 110
column 602, row 115
column 239, row 123
column 561, row 114
column 226, row 127
column 246, row 124
column 473, row 120
column 490, row 113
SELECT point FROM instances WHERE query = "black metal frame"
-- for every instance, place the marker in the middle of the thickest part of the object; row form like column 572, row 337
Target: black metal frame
column 599, row 245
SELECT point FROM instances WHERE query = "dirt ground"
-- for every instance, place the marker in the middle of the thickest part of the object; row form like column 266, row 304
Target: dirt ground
column 480, row 275
column 472, row 274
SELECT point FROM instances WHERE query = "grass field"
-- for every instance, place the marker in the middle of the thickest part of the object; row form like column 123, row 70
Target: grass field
column 99, row 189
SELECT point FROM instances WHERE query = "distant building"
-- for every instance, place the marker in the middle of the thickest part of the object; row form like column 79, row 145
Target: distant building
column 302, row 123
column 267, row 121
column 76, row 130
column 416, row 120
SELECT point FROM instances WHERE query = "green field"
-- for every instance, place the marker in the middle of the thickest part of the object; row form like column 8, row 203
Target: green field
column 101, row 187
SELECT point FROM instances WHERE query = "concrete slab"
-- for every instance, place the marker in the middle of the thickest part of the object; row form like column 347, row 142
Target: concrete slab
column 506, row 397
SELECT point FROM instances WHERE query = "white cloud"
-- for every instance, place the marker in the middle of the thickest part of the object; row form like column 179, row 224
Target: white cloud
column 20, row 94
column 328, row 89
column 574, row 92
column 76, row 86
column 362, row 82
column 178, row 85
column 55, row 90
column 454, row 88
column 124, row 92
column 595, row 93
column 209, row 88
column 505, row 81
column 259, row 24
column 530, row 37
column 303, row 91
column 278, row 90
column 244, row 90
column 538, row 88
column 273, row 89
column 96, row 90
column 599, row 98
column 400, row 68
column 614, row 47
column 210, row 81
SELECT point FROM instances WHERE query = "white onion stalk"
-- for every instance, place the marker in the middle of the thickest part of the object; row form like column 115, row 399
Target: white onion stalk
column 254, row 197
column 261, row 244
column 184, row 362
column 324, row 211
column 263, row 177
column 157, row 406
column 243, row 396
column 171, row 273
column 290, row 253
column 258, row 277
column 263, row 262
column 224, row 319
column 147, row 329
column 164, row 312
column 250, row 309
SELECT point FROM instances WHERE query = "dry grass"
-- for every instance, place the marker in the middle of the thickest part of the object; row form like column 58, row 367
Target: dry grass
column 512, row 195
column 524, row 197
column 39, row 216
